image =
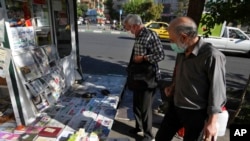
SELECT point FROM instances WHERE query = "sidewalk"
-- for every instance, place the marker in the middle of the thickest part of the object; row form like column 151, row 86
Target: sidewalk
column 98, row 29
column 125, row 121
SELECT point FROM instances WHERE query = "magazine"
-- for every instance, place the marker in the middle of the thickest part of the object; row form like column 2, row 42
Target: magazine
column 41, row 59
column 8, row 136
column 50, row 131
column 108, row 112
column 41, row 121
column 27, row 137
column 21, row 37
column 55, row 123
column 52, row 110
column 40, row 102
column 26, row 64
column 51, row 52
column 33, row 129
column 55, row 79
column 4, row 61
column 36, row 86
column 79, row 121
column 110, row 101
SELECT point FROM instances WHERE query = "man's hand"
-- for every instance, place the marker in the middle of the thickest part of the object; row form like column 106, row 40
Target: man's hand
column 139, row 59
column 210, row 128
column 169, row 91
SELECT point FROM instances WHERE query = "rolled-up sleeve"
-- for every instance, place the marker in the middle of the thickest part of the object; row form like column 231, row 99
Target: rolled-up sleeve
column 217, row 91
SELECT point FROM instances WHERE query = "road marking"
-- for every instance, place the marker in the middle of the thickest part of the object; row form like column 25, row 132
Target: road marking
column 97, row 31
column 115, row 32
column 100, row 31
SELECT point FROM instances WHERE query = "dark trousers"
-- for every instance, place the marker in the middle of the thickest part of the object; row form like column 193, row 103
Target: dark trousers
column 176, row 118
column 142, row 106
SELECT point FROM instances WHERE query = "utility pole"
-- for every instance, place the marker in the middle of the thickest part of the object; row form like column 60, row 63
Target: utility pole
column 120, row 12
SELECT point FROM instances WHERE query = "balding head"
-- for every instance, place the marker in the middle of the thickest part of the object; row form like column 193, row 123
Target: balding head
column 183, row 25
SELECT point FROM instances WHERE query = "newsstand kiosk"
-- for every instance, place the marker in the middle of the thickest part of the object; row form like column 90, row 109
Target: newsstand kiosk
column 39, row 43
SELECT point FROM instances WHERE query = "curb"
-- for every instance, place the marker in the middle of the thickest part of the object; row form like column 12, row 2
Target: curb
column 101, row 31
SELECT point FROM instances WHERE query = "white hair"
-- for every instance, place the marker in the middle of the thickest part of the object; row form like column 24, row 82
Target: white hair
column 132, row 19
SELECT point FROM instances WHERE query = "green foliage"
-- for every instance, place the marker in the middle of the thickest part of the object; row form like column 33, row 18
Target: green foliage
column 81, row 9
column 231, row 11
column 147, row 9
column 182, row 8
column 113, row 13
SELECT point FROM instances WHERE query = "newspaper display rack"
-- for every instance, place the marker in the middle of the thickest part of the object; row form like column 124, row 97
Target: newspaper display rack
column 45, row 102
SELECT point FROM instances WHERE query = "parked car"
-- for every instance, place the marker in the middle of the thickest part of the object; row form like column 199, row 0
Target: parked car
column 160, row 28
column 229, row 39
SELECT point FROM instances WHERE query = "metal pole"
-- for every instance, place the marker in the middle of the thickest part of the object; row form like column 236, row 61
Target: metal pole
column 120, row 19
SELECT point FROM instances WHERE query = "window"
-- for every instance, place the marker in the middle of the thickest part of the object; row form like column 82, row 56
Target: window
column 154, row 26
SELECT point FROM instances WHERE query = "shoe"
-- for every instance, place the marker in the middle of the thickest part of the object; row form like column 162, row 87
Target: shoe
column 135, row 131
column 147, row 139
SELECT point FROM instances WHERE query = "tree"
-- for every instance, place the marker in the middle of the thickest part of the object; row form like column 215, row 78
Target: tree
column 153, row 13
column 182, row 8
column 231, row 11
column 112, row 12
column 147, row 9
column 81, row 9
column 195, row 9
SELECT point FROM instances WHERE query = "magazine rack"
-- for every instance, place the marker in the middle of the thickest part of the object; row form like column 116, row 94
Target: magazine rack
column 38, row 72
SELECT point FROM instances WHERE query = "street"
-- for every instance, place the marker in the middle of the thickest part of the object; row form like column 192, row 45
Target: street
column 106, row 53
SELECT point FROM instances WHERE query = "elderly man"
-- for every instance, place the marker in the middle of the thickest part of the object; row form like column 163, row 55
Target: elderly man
column 147, row 48
column 198, row 85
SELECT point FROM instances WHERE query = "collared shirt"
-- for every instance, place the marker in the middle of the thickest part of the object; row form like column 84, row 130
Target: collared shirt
column 200, row 81
column 148, row 44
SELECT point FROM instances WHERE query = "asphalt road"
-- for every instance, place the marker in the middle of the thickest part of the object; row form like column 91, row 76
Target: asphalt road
column 106, row 53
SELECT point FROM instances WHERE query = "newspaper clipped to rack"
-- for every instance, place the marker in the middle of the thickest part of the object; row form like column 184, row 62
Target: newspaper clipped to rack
column 4, row 61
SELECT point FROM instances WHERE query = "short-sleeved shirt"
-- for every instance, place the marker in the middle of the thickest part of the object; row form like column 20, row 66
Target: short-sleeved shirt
column 200, row 79
column 147, row 43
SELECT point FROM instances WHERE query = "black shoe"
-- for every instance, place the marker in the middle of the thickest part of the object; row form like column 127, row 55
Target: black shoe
column 135, row 131
column 147, row 139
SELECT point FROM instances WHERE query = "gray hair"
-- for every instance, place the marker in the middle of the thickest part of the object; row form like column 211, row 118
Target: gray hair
column 189, row 29
column 132, row 19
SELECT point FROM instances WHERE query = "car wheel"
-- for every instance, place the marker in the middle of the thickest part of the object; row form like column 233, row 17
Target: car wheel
column 248, row 54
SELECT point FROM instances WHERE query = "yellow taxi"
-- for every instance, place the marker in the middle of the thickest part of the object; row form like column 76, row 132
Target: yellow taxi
column 160, row 28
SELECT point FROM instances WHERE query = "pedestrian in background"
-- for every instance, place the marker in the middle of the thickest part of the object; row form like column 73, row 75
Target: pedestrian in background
column 198, row 85
column 147, row 48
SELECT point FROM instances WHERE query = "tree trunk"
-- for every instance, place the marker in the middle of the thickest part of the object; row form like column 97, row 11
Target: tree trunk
column 195, row 9
column 242, row 100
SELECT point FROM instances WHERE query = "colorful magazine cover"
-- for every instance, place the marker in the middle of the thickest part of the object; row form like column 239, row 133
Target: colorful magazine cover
column 33, row 129
column 50, row 131
column 9, row 136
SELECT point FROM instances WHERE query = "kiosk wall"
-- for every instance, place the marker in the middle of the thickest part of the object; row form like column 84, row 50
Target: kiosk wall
column 41, row 37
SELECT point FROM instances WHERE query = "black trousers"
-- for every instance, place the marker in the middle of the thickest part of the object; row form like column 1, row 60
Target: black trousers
column 176, row 118
column 142, row 106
